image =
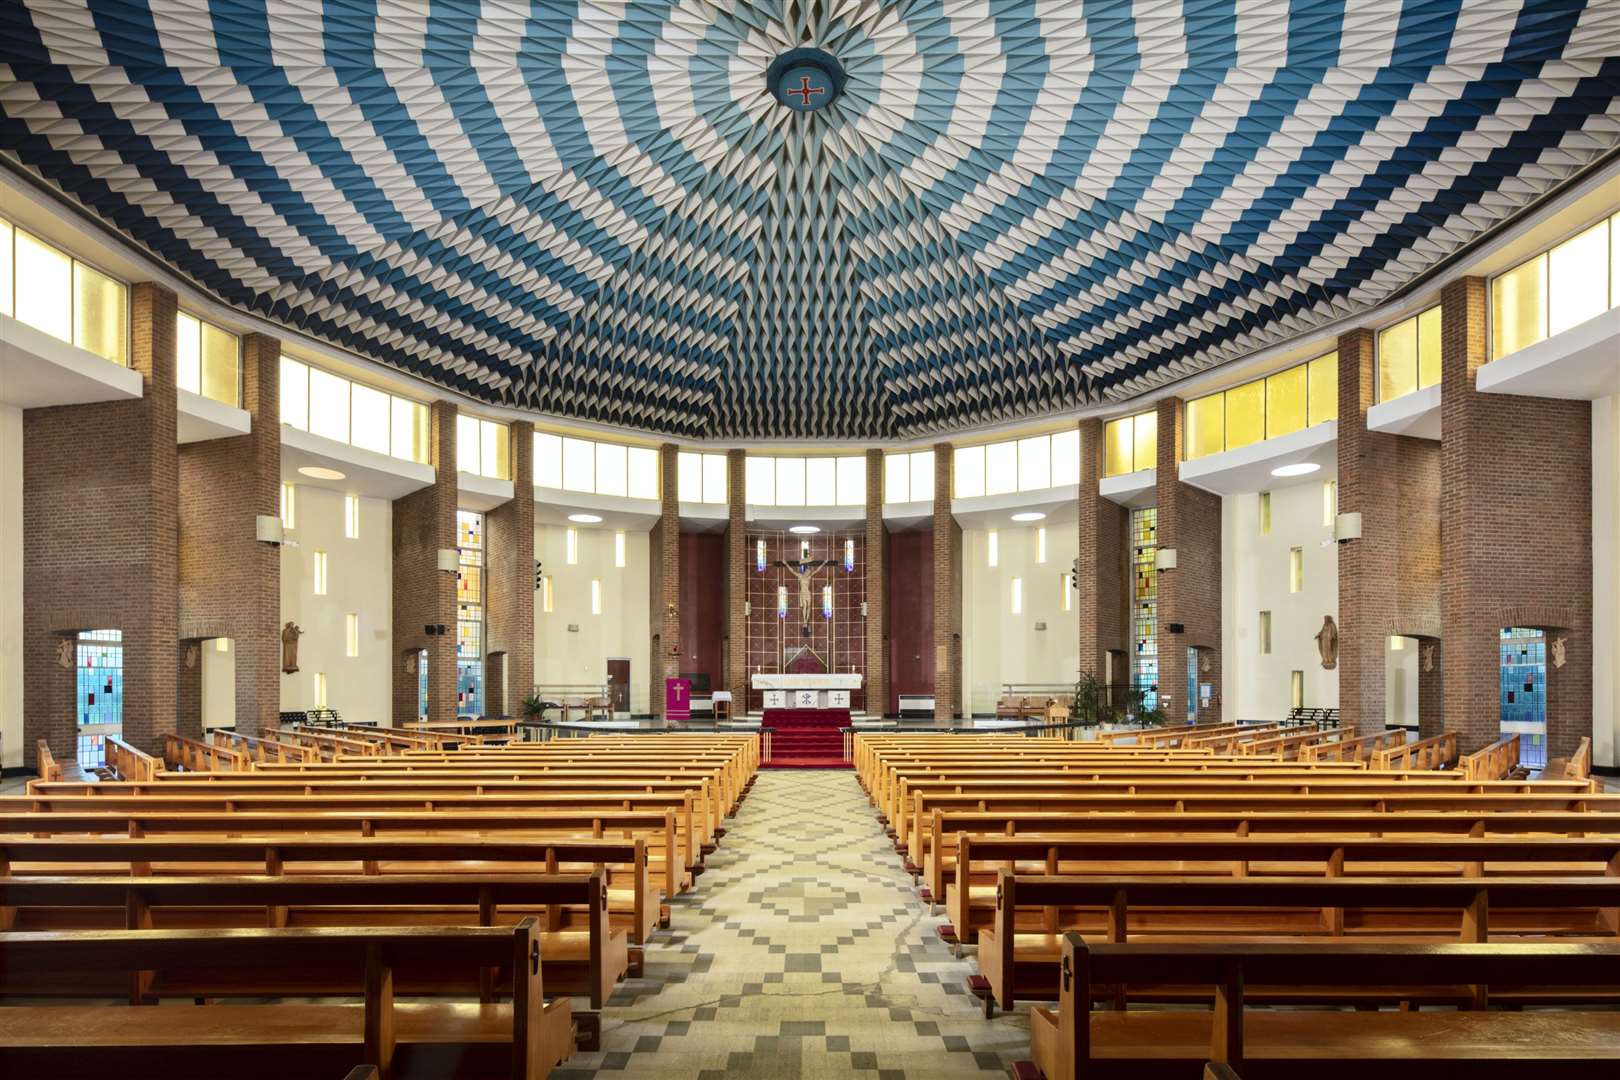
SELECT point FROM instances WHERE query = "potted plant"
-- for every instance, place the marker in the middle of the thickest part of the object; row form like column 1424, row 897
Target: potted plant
column 1090, row 706
column 534, row 708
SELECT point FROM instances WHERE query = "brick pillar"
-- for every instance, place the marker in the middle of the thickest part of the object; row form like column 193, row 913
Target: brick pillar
column 1189, row 595
column 230, row 584
column 947, row 592
column 665, row 550
column 877, row 589
column 424, row 595
column 509, row 590
column 1516, row 534
column 100, row 530
column 1101, row 600
column 736, row 584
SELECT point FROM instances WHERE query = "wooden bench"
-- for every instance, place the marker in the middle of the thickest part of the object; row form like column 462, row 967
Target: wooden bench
column 1439, row 752
column 264, row 750
column 1017, row 966
column 1578, row 766
column 631, row 902
column 588, row 962
column 194, row 755
column 1494, row 762
column 950, row 826
column 1360, row 748
column 521, row 1038
column 970, row 900
column 45, row 763
column 129, row 763
column 1477, row 1043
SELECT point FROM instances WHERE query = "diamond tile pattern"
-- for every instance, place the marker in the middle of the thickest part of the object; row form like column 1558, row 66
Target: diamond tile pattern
column 597, row 210
column 802, row 952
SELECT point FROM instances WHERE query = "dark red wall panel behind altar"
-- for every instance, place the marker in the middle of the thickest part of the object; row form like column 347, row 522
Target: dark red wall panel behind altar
column 778, row 644
column 703, row 605
column 911, row 614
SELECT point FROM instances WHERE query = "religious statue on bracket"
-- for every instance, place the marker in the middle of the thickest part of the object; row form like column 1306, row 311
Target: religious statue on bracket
column 1327, row 643
column 64, row 652
column 289, row 648
column 410, row 662
column 193, row 654
column 1560, row 651
column 1427, row 652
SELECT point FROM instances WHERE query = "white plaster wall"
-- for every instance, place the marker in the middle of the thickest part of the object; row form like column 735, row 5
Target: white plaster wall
column 622, row 630
column 359, row 576
column 1254, row 578
column 219, row 683
column 999, row 647
column 1401, row 681
column 1606, row 582
column 11, row 588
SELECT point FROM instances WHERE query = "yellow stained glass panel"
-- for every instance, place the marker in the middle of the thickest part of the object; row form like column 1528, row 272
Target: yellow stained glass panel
column 1206, row 426
column 1245, row 414
column 1397, row 360
column 1147, row 441
column 1118, row 447
column 5, row 268
column 1428, row 334
column 1578, row 279
column 1614, row 261
column 1285, row 402
column 100, row 315
column 1519, row 307
column 44, row 284
column 410, row 429
column 1324, row 389
column 219, row 365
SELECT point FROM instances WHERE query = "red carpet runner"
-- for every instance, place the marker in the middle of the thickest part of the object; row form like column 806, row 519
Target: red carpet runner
column 806, row 738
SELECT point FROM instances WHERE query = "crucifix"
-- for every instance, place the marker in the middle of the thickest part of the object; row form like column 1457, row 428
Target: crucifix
column 804, row 571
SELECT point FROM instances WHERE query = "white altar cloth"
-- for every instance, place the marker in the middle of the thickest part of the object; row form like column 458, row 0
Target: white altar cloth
column 837, row 680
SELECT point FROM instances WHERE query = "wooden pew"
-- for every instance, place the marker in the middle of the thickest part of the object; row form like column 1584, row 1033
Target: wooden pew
column 1017, row 966
column 950, row 826
column 264, row 750
column 1477, row 1043
column 970, row 900
column 632, row 903
column 45, row 763
column 128, row 762
column 1437, row 753
column 586, row 962
column 521, row 1038
column 1494, row 762
column 194, row 755
column 656, row 828
column 1577, row 766
column 1360, row 748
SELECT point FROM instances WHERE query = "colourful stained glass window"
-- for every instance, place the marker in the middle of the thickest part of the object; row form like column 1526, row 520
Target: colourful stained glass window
column 826, row 601
column 1145, row 604
column 781, row 601
column 759, row 556
column 849, row 556
column 1524, row 691
column 469, row 613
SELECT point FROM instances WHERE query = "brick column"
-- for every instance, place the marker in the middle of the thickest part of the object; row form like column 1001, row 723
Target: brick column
column 230, row 584
column 1189, row 595
column 1516, row 534
column 947, row 592
column 877, row 589
column 100, row 531
column 736, row 585
column 509, row 589
column 424, row 595
column 1100, row 601
column 1389, row 580
column 665, row 578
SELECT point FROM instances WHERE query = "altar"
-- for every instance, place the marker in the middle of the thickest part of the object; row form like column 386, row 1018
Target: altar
column 808, row 691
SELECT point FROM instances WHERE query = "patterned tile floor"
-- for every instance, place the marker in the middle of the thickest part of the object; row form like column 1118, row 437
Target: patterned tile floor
column 802, row 952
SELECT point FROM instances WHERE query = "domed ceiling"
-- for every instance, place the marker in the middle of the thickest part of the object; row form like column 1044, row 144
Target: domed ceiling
column 966, row 213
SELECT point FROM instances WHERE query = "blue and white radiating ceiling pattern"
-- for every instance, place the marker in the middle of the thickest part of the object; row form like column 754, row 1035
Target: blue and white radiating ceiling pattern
column 599, row 210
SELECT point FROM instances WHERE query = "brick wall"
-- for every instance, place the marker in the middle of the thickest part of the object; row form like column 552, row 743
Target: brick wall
column 100, row 532
column 1516, row 534
column 947, row 592
column 1189, row 522
column 876, row 547
column 509, row 585
column 230, row 584
column 1102, row 601
column 424, row 595
column 665, row 551
column 1389, row 580
column 736, row 579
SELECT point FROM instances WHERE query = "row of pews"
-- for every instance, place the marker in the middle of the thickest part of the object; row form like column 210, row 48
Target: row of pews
column 1177, row 900
column 426, row 911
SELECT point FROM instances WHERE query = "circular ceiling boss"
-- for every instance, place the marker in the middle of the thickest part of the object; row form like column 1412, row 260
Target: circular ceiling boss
column 805, row 80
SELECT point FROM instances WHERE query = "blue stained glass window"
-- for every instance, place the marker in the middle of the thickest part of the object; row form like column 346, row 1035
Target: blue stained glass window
column 1145, row 604
column 1524, row 691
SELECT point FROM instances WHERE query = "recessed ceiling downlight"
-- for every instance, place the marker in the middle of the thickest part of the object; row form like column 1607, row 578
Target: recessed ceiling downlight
column 316, row 472
column 1029, row 515
column 804, row 530
column 585, row 519
column 1303, row 468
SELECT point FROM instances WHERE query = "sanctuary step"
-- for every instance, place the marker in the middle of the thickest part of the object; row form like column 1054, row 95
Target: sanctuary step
column 806, row 738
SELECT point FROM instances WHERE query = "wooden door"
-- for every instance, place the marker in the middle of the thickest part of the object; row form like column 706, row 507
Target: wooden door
column 618, row 680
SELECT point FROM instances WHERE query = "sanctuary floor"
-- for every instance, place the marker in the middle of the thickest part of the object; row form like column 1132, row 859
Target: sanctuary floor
column 802, row 952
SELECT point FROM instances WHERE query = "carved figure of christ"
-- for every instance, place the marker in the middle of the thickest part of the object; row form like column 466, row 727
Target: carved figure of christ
column 804, row 572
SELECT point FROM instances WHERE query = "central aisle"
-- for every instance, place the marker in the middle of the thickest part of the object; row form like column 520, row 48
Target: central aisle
column 802, row 952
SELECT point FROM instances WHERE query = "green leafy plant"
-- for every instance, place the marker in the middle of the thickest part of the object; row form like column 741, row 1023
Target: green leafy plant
column 533, row 706
column 1090, row 707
